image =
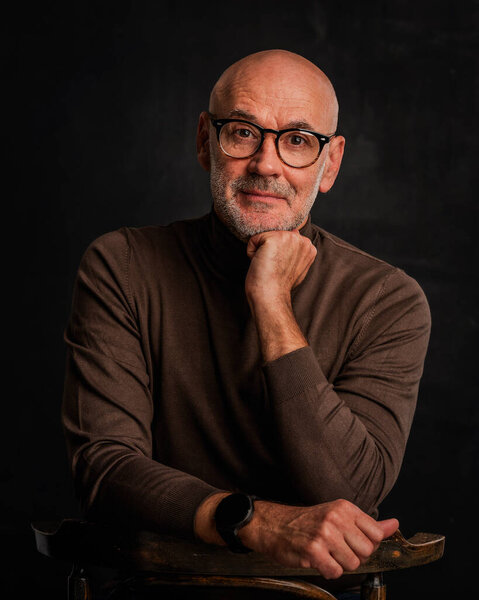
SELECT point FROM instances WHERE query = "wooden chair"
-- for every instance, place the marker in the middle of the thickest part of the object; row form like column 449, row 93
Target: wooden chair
column 150, row 561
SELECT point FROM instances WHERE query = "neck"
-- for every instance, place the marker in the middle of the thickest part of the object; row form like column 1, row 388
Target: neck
column 225, row 253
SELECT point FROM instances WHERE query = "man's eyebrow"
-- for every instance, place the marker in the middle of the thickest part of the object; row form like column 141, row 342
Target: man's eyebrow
column 299, row 125
column 243, row 114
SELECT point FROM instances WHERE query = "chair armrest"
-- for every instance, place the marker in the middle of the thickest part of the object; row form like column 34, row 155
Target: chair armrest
column 146, row 551
column 152, row 552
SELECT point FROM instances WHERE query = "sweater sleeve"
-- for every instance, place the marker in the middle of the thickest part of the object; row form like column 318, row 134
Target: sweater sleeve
column 346, row 438
column 107, row 408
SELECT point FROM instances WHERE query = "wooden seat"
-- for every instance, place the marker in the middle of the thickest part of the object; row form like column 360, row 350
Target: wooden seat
column 149, row 560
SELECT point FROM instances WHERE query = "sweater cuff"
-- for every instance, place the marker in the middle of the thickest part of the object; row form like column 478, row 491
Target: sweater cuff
column 181, row 509
column 292, row 373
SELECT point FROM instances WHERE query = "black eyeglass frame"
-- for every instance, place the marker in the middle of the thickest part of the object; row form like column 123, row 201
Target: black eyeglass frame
column 322, row 139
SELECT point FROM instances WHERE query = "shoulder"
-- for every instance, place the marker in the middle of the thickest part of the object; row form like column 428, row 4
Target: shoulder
column 343, row 253
column 352, row 262
column 120, row 245
column 136, row 259
column 366, row 277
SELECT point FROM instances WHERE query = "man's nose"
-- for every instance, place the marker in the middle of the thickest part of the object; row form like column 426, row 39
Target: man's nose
column 266, row 161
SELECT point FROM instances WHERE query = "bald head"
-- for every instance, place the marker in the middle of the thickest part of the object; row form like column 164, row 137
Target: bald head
column 274, row 76
column 275, row 90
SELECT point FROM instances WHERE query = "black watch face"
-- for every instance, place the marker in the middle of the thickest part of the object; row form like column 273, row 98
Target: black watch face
column 232, row 511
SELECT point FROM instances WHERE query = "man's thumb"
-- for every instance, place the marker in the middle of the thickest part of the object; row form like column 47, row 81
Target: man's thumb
column 389, row 526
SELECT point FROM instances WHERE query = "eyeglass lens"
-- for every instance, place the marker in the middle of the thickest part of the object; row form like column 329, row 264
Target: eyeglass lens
column 296, row 148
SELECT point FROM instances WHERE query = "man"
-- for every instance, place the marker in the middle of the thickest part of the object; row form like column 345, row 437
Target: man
column 247, row 351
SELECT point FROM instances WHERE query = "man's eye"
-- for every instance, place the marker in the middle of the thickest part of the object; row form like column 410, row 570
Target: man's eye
column 244, row 133
column 296, row 140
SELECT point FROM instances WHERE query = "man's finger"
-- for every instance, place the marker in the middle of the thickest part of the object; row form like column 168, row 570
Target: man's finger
column 360, row 544
column 370, row 527
column 389, row 526
column 325, row 563
column 254, row 243
column 346, row 557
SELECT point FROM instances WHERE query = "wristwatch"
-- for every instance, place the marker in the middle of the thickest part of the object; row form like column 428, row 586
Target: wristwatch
column 232, row 513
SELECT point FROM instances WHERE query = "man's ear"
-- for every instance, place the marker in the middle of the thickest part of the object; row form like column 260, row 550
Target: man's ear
column 203, row 141
column 333, row 162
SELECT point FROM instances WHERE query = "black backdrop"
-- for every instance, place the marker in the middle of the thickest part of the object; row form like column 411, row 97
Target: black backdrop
column 102, row 105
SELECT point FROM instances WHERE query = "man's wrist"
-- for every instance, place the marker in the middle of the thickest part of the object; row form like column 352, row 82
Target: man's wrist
column 253, row 535
column 232, row 514
column 269, row 299
column 250, row 535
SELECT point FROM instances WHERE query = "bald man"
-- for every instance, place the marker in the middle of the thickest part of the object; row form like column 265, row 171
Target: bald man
column 246, row 377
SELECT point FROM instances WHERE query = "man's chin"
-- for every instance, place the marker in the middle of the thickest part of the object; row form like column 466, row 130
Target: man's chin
column 247, row 228
column 244, row 224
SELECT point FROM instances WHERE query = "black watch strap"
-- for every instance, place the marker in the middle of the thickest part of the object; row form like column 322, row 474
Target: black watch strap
column 232, row 513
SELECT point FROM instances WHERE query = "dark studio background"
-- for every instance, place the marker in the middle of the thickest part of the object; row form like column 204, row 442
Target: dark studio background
column 102, row 106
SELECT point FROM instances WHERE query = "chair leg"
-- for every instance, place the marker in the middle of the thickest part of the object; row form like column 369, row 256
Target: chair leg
column 78, row 586
column 373, row 588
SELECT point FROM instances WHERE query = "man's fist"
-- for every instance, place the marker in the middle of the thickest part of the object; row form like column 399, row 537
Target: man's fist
column 332, row 538
column 280, row 261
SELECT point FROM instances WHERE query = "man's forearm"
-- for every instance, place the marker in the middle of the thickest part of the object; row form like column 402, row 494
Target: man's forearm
column 280, row 261
column 278, row 330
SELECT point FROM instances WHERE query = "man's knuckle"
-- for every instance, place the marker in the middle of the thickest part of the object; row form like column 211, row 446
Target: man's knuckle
column 333, row 572
column 332, row 519
column 305, row 563
column 342, row 504
column 368, row 548
column 353, row 563
column 312, row 548
column 325, row 529
column 376, row 536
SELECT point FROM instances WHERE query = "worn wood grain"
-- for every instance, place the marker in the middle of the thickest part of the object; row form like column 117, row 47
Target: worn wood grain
column 298, row 589
column 149, row 551
column 159, row 553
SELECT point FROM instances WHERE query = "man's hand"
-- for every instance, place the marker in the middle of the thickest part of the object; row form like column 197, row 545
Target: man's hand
column 280, row 260
column 332, row 538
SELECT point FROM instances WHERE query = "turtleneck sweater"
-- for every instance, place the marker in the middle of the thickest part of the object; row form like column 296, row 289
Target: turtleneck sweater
column 167, row 399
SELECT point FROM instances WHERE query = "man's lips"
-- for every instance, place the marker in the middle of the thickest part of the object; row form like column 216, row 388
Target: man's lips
column 262, row 196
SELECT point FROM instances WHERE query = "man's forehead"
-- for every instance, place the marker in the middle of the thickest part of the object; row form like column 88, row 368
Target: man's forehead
column 284, row 95
column 283, row 111
column 297, row 123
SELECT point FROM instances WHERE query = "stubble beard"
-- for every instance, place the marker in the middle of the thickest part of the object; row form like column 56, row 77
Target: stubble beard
column 236, row 219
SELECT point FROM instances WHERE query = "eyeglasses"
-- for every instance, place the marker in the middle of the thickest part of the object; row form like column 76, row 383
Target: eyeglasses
column 297, row 148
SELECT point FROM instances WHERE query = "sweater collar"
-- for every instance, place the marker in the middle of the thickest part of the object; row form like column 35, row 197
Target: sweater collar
column 225, row 253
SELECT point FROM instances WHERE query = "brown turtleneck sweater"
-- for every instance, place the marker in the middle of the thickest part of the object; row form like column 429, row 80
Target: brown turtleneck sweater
column 166, row 399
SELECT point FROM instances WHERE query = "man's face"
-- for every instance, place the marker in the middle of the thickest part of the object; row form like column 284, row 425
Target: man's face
column 250, row 199
column 261, row 193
